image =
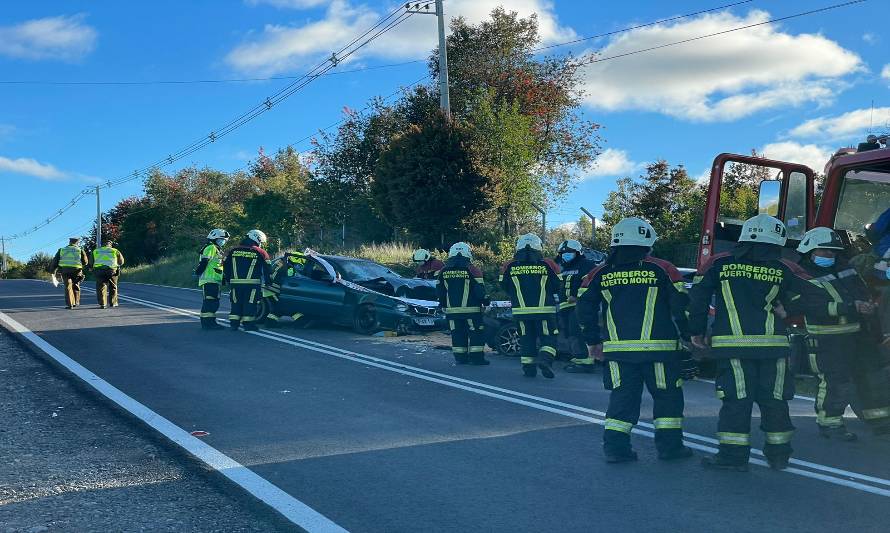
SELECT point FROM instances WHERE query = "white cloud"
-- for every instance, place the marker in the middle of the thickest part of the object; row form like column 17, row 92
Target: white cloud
column 720, row 78
column 30, row 167
column 811, row 155
column 279, row 48
column 886, row 72
column 871, row 38
column 850, row 125
column 63, row 37
column 289, row 4
column 612, row 162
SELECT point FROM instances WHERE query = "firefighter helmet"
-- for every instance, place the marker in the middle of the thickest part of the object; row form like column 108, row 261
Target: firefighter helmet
column 421, row 255
column 257, row 236
column 529, row 240
column 633, row 231
column 764, row 228
column 217, row 233
column 460, row 248
column 825, row 238
column 570, row 245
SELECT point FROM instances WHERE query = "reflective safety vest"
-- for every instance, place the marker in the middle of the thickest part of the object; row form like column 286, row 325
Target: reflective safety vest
column 70, row 256
column 105, row 257
column 213, row 273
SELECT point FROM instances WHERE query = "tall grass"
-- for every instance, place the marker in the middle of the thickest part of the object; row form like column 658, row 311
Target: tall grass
column 175, row 271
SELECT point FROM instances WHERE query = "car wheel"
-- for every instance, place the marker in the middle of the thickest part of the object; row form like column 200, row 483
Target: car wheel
column 262, row 310
column 507, row 340
column 365, row 320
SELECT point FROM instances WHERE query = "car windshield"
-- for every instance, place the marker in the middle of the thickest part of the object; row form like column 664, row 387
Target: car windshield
column 361, row 270
column 864, row 196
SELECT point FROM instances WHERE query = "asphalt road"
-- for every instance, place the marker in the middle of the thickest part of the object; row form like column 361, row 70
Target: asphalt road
column 379, row 435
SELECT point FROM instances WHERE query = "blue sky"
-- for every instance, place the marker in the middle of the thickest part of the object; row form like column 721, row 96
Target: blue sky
column 795, row 90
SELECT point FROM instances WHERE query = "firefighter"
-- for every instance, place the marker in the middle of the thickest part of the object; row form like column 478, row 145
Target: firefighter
column 285, row 267
column 644, row 302
column 533, row 284
column 106, row 265
column 461, row 292
column 574, row 266
column 829, row 340
column 70, row 262
column 210, row 275
column 246, row 269
column 748, row 341
column 426, row 265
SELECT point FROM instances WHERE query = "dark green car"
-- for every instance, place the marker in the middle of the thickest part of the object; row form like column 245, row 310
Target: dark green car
column 361, row 294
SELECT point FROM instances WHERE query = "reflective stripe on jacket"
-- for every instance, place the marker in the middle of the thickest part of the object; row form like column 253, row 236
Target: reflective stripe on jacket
column 460, row 287
column 533, row 285
column 246, row 265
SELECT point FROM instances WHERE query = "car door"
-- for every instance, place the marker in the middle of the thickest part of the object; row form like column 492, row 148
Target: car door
column 313, row 292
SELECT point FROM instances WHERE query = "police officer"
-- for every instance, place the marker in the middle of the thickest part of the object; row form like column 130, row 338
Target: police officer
column 246, row 269
column 573, row 267
column 748, row 341
column 461, row 292
column 533, row 285
column 70, row 262
column 644, row 302
column 426, row 266
column 210, row 275
column 286, row 266
column 107, row 263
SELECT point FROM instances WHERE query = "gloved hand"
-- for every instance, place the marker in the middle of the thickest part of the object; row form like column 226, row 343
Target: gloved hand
column 688, row 367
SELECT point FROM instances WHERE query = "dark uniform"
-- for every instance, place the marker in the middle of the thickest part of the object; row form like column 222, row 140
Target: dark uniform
column 210, row 275
column 461, row 293
column 843, row 353
column 429, row 268
column 644, row 301
column 750, row 344
column 533, row 283
column 286, row 267
column 245, row 269
column 69, row 262
column 572, row 275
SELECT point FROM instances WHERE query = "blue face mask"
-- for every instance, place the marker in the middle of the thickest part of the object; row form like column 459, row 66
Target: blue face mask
column 823, row 262
column 568, row 257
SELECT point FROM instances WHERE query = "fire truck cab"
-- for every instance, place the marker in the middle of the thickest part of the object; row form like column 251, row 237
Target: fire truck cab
column 856, row 191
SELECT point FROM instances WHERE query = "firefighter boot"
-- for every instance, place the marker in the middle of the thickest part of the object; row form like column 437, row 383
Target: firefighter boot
column 478, row 359
column 621, row 457
column 576, row 367
column 529, row 370
column 778, row 463
column 718, row 462
column 682, row 452
column 546, row 370
column 461, row 358
column 250, row 326
column 840, row 433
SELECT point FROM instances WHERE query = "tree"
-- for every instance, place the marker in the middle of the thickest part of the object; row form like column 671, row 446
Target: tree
column 279, row 206
column 426, row 181
column 621, row 202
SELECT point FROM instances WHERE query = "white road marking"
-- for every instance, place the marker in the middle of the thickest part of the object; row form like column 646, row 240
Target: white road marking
column 801, row 468
column 291, row 508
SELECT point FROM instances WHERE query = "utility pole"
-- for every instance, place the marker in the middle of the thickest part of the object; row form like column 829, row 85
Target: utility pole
column 444, row 92
column 98, row 220
column 3, row 256
column 592, row 220
column 543, row 222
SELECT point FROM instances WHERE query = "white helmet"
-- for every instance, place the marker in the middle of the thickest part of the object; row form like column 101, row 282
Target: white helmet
column 764, row 228
column 825, row 238
column 257, row 236
column 633, row 231
column 421, row 255
column 217, row 233
column 570, row 245
column 529, row 240
column 460, row 248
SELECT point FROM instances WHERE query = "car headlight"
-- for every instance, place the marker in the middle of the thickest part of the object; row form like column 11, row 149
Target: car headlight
column 402, row 308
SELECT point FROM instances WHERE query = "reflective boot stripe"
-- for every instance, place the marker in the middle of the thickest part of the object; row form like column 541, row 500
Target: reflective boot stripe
column 208, row 315
column 527, row 360
column 739, row 374
column 736, row 439
column 779, row 437
column 614, row 424
column 873, row 414
column 669, row 423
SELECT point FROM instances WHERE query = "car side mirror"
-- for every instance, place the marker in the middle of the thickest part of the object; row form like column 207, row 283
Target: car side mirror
column 768, row 197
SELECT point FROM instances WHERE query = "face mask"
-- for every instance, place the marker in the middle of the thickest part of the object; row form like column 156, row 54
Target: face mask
column 568, row 257
column 823, row 262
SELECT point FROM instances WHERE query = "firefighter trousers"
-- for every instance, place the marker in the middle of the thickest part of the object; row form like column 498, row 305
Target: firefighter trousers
column 106, row 286
column 467, row 337
column 830, row 362
column 245, row 305
column 210, row 304
column 625, row 381
column 571, row 328
column 537, row 340
column 742, row 382
column 871, row 380
column 276, row 312
column 71, row 279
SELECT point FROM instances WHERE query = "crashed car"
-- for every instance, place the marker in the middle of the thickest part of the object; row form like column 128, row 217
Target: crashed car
column 358, row 293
